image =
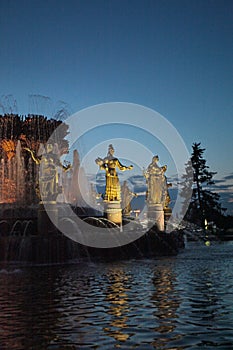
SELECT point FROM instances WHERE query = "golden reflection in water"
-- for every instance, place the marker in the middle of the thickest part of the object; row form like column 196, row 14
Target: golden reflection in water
column 116, row 295
column 166, row 302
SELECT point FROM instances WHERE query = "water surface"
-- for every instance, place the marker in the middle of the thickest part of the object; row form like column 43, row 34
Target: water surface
column 175, row 303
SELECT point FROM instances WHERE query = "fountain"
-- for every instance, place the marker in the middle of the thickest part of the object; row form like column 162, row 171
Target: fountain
column 26, row 230
column 18, row 172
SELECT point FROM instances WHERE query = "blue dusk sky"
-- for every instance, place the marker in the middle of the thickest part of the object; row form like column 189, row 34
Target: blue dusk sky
column 173, row 56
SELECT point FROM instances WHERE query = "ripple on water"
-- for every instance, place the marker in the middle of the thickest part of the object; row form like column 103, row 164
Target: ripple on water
column 182, row 302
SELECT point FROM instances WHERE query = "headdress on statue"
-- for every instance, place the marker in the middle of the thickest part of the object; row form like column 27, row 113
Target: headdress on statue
column 110, row 148
column 156, row 158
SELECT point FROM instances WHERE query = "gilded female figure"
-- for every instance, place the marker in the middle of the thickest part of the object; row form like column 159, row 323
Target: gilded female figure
column 109, row 164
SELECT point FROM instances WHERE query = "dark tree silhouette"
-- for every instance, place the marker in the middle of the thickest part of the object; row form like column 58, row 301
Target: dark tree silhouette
column 204, row 203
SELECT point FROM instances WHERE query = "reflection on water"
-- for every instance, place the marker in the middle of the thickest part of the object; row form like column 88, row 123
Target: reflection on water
column 117, row 298
column 166, row 302
column 174, row 303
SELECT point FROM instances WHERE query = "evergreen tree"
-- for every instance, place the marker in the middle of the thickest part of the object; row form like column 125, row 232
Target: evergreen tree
column 186, row 190
column 204, row 202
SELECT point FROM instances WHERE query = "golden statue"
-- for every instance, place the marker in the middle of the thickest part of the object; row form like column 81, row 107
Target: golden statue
column 109, row 164
column 156, row 183
column 49, row 161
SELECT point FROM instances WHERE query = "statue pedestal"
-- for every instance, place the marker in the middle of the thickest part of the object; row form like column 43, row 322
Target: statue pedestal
column 155, row 213
column 46, row 211
column 114, row 212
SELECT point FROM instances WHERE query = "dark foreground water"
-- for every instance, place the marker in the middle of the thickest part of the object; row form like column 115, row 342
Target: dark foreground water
column 182, row 302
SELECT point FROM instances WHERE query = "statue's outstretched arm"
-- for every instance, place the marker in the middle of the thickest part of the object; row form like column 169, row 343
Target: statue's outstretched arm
column 99, row 161
column 64, row 167
column 67, row 167
column 102, row 163
column 36, row 160
column 123, row 167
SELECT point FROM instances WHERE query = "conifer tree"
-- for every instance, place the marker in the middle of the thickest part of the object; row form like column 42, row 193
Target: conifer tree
column 186, row 189
column 204, row 203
